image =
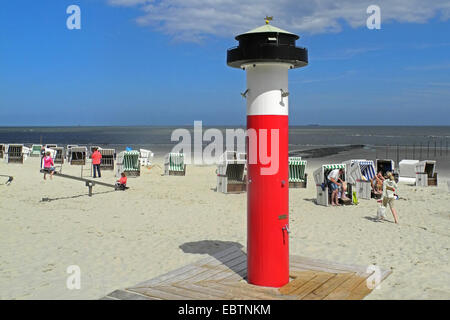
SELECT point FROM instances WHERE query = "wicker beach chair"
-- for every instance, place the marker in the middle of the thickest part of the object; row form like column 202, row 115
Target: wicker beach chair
column 231, row 169
column 15, row 153
column 297, row 175
column 322, row 183
column 128, row 162
column 174, row 164
column 360, row 174
column 107, row 162
column 426, row 174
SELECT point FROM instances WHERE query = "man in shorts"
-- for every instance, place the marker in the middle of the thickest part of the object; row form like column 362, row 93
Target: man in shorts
column 336, row 182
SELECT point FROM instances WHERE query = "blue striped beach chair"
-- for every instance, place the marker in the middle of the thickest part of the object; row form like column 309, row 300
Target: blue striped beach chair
column 360, row 174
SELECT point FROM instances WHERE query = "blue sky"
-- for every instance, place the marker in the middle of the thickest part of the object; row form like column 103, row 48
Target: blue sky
column 140, row 62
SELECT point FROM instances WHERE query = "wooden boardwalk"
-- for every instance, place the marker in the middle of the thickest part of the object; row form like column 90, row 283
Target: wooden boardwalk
column 222, row 276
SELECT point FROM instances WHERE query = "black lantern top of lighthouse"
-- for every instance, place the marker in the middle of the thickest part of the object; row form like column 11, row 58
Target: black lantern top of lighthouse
column 267, row 44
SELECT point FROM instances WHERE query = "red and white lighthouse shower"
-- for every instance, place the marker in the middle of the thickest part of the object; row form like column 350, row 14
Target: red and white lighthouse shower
column 267, row 54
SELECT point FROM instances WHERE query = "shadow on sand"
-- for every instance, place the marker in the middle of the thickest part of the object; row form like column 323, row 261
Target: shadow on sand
column 73, row 197
column 213, row 247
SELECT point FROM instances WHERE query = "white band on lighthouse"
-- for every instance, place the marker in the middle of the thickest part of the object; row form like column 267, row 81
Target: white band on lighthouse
column 266, row 83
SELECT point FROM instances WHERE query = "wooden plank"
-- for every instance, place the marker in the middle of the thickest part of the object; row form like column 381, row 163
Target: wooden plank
column 224, row 270
column 158, row 294
column 312, row 284
column 319, row 268
column 226, row 266
column 300, row 279
column 222, row 255
column 327, row 264
column 238, row 293
column 178, row 290
column 172, row 275
column 265, row 290
column 214, row 293
column 177, row 273
column 239, row 274
column 362, row 290
column 327, row 287
column 108, row 298
column 359, row 292
column 221, row 277
column 224, row 259
column 343, row 291
column 127, row 295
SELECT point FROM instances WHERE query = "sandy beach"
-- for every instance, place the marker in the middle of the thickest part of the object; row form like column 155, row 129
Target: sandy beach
column 120, row 238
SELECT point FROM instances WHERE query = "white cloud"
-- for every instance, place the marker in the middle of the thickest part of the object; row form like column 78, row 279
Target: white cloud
column 193, row 20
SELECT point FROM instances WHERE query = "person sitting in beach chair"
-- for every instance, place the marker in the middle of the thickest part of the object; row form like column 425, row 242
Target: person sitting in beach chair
column 49, row 166
column 336, row 182
column 121, row 184
column 377, row 183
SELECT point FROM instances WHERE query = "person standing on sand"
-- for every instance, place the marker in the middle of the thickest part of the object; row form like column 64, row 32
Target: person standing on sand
column 42, row 154
column 96, row 160
column 389, row 188
column 334, row 177
column 49, row 166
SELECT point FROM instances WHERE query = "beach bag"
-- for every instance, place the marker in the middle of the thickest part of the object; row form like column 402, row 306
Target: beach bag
column 355, row 198
column 381, row 212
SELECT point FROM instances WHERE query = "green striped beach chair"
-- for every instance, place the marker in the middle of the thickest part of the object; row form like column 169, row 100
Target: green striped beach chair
column 36, row 150
column 320, row 178
column 174, row 164
column 128, row 162
column 297, row 175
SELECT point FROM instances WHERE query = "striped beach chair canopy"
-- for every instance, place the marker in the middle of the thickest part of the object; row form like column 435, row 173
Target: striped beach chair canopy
column 367, row 169
column 130, row 161
column 320, row 173
column 176, row 161
column 334, row 166
column 36, row 149
column 297, row 169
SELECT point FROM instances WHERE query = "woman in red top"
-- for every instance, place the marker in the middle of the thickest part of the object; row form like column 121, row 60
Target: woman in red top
column 96, row 160
column 48, row 166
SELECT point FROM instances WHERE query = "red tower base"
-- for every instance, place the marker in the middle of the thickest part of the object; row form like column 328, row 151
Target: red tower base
column 268, row 201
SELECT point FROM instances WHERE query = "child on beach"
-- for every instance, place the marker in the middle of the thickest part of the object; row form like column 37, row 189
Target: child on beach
column 48, row 166
column 121, row 184
column 389, row 189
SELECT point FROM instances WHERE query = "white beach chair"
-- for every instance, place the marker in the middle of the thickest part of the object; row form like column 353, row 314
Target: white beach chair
column 359, row 175
column 15, row 153
column 145, row 157
column 426, row 174
column 321, row 180
column 231, row 170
